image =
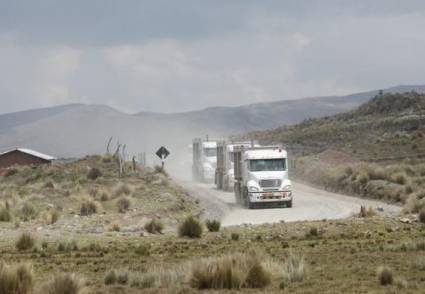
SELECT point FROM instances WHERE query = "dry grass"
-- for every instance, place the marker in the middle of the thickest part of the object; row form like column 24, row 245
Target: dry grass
column 191, row 228
column 385, row 275
column 123, row 204
column 366, row 212
column 294, row 268
column 25, row 242
column 234, row 271
column 213, row 225
column 65, row 283
column 16, row 279
column 154, row 227
column 88, row 207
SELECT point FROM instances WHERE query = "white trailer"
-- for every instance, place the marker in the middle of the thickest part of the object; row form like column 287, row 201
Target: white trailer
column 204, row 160
column 261, row 176
column 224, row 175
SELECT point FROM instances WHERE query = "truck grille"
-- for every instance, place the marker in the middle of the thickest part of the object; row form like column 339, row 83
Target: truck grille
column 270, row 183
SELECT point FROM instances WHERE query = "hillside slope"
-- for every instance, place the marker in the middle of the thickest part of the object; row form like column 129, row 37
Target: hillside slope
column 76, row 130
column 391, row 125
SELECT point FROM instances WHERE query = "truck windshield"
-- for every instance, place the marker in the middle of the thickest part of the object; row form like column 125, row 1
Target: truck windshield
column 267, row 165
column 210, row 152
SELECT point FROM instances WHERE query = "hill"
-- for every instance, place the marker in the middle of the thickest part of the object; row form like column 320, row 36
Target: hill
column 76, row 130
column 389, row 125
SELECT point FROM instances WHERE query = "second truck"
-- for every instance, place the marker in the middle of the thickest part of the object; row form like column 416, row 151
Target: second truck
column 261, row 176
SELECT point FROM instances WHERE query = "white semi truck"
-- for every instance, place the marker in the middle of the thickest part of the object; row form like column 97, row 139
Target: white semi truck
column 261, row 176
column 224, row 175
column 204, row 160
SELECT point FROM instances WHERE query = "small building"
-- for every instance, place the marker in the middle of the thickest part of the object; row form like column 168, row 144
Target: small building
column 22, row 156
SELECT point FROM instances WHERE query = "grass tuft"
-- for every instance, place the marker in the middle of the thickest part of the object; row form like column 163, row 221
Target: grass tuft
column 65, row 283
column 385, row 275
column 191, row 228
column 25, row 242
column 213, row 225
column 154, row 227
column 16, row 279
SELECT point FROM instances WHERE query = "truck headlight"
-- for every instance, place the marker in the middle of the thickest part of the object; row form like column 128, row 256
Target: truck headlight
column 287, row 188
column 253, row 189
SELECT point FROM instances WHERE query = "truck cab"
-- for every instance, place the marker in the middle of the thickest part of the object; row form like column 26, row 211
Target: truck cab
column 261, row 176
column 204, row 160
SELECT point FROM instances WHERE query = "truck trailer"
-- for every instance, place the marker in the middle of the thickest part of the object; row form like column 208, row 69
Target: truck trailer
column 224, row 175
column 261, row 176
column 204, row 160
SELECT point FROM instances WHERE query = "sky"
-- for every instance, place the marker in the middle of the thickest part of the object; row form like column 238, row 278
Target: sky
column 173, row 56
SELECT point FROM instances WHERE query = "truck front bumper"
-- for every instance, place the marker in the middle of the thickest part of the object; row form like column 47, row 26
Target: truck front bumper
column 267, row 197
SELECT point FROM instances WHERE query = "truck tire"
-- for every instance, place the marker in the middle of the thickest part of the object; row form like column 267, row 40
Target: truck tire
column 248, row 204
column 289, row 204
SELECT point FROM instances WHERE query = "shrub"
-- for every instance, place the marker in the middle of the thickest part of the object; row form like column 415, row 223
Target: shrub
column 366, row 212
column 421, row 216
column 122, row 278
column 257, row 277
column 104, row 197
column 123, row 204
column 87, row 208
column 234, row 236
column 191, row 228
column 28, row 212
column 5, row 215
column 25, row 242
column 313, row 232
column 294, row 269
column 154, row 227
column 54, row 217
column 65, row 283
column 400, row 178
column 385, row 275
column 213, row 225
column 110, row 278
column 16, row 279
column 67, row 246
column 229, row 272
column 94, row 173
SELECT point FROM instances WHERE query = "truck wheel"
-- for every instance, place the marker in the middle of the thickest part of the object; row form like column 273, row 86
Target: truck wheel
column 250, row 205
column 289, row 204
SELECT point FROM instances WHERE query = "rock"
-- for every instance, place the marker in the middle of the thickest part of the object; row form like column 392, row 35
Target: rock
column 405, row 220
column 381, row 209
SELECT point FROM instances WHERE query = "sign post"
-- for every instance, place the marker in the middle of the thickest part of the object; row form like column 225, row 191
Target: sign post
column 162, row 153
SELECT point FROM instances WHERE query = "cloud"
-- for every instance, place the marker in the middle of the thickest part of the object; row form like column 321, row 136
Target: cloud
column 167, row 56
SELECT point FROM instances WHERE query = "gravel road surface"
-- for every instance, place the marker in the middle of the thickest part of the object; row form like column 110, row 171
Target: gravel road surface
column 309, row 204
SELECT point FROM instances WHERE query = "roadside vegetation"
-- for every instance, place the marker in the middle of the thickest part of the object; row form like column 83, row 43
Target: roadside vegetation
column 88, row 196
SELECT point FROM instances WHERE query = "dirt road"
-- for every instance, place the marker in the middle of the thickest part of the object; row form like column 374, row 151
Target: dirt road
column 309, row 204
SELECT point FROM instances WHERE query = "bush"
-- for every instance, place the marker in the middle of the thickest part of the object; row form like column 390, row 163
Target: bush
column 154, row 227
column 385, row 275
column 49, row 185
column 421, row 216
column 257, row 277
column 191, row 228
column 366, row 212
column 11, row 172
column 25, row 242
column 94, row 173
column 110, row 278
column 16, row 279
column 28, row 212
column 313, row 232
column 65, row 283
column 229, row 272
column 294, row 269
column 234, row 236
column 54, row 217
column 122, row 278
column 123, row 204
column 87, row 208
column 5, row 215
column 213, row 225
